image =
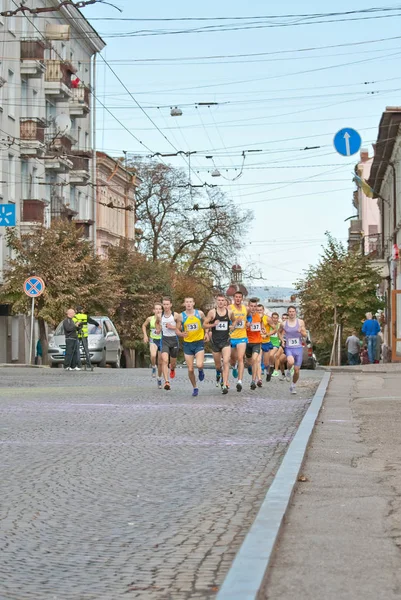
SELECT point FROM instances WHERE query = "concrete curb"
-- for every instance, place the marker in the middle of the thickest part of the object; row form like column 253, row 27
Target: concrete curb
column 245, row 577
column 22, row 366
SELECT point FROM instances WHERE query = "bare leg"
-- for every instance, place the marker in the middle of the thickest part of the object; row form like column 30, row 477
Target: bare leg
column 153, row 353
column 255, row 365
column 241, row 354
column 164, row 361
column 200, row 359
column 189, row 359
column 226, row 352
column 296, row 374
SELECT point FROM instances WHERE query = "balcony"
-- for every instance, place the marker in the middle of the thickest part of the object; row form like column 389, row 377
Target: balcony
column 59, row 144
column 373, row 248
column 58, row 164
column 58, row 79
column 60, row 208
column 79, row 103
column 84, row 226
column 32, row 54
column 79, row 174
column 33, row 211
column 32, row 134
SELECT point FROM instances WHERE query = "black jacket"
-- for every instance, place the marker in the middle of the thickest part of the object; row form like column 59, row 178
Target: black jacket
column 70, row 329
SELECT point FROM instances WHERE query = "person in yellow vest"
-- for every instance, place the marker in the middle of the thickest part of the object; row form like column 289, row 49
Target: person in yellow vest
column 81, row 320
column 190, row 322
column 154, row 340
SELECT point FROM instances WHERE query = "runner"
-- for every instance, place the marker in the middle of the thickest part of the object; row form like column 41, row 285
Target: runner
column 272, row 349
column 169, row 344
column 239, row 337
column 253, row 347
column 154, row 341
column 218, row 321
column 266, row 344
column 190, row 322
column 281, row 359
column 294, row 330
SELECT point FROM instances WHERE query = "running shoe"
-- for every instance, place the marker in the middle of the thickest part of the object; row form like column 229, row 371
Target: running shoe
column 292, row 388
column 268, row 375
column 67, row 369
column 153, row 371
column 250, row 371
column 167, row 386
column 224, row 389
column 288, row 375
column 239, row 386
column 259, row 383
column 253, row 385
column 275, row 373
column 76, row 369
column 159, row 384
column 201, row 375
column 282, row 377
column 195, row 392
column 235, row 372
column 172, row 373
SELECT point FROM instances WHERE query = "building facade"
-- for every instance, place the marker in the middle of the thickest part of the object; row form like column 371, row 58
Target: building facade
column 115, row 211
column 46, row 133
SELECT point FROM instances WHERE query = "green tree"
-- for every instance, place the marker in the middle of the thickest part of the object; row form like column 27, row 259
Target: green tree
column 73, row 274
column 342, row 287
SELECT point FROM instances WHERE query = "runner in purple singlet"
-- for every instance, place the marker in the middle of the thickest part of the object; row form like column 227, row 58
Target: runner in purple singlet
column 294, row 330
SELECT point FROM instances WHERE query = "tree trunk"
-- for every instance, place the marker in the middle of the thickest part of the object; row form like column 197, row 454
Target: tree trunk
column 129, row 360
column 43, row 340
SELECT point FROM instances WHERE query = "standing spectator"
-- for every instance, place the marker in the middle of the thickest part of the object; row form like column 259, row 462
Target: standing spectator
column 371, row 328
column 353, row 348
column 39, row 353
column 71, row 342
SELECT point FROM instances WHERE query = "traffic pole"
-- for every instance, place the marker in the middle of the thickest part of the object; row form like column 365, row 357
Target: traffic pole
column 32, row 315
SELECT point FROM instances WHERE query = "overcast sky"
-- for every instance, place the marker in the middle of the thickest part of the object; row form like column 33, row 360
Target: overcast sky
column 280, row 101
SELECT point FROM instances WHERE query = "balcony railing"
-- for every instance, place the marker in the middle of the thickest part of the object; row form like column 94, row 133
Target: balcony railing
column 80, row 95
column 373, row 247
column 59, row 145
column 81, row 163
column 32, row 50
column 59, row 71
column 33, row 211
column 32, row 129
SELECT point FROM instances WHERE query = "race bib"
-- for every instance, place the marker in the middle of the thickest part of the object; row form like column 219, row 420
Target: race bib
column 192, row 326
column 154, row 333
column 222, row 326
column 255, row 327
column 294, row 342
column 239, row 325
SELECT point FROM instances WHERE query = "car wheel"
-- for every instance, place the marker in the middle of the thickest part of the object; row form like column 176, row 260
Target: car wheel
column 117, row 364
column 103, row 359
column 312, row 365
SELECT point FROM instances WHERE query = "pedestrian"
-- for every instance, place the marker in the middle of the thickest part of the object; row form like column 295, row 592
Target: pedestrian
column 39, row 353
column 71, row 341
column 365, row 356
column 353, row 344
column 370, row 329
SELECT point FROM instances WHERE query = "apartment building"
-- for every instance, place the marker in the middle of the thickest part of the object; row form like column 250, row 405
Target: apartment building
column 115, row 211
column 46, row 129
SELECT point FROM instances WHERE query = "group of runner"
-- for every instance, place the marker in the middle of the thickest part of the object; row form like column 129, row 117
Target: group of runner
column 239, row 335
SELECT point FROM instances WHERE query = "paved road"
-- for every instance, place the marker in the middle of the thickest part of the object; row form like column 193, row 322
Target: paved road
column 114, row 489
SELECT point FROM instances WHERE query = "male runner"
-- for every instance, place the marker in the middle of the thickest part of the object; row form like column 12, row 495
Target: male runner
column 169, row 344
column 190, row 321
column 154, row 341
column 218, row 321
column 294, row 330
column 253, row 347
column 281, row 360
column 239, row 337
column 266, row 345
column 273, row 347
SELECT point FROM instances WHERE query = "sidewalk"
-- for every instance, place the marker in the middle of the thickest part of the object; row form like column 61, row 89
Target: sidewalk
column 341, row 538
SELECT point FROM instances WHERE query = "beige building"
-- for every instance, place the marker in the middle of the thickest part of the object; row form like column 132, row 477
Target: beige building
column 115, row 206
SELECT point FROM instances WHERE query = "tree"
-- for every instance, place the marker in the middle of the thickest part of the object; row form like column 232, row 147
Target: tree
column 73, row 274
column 198, row 235
column 341, row 288
column 142, row 283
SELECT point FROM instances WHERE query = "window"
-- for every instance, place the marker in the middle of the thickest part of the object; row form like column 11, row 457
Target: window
column 11, row 93
column 11, row 178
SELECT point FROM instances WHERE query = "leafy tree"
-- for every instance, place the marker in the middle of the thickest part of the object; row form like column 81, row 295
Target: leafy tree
column 342, row 287
column 73, row 274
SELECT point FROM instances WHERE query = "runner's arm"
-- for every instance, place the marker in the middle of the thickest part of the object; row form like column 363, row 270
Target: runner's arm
column 178, row 328
column 302, row 329
column 144, row 326
column 207, row 324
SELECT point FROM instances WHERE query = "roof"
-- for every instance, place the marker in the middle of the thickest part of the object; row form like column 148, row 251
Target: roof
column 236, row 287
column 386, row 138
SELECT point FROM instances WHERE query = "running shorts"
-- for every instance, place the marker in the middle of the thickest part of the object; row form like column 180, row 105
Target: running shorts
column 218, row 346
column 235, row 342
column 157, row 342
column 297, row 353
column 267, row 347
column 170, row 346
column 252, row 349
column 192, row 348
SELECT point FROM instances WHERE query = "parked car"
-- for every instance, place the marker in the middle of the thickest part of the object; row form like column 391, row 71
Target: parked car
column 309, row 360
column 103, row 341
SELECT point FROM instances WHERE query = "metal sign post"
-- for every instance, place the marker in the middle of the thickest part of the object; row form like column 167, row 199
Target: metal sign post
column 33, row 287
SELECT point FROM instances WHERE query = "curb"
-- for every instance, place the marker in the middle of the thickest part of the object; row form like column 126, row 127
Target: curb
column 22, row 366
column 246, row 575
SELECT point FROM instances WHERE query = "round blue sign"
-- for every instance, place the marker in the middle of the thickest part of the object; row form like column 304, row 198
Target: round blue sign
column 347, row 141
column 34, row 287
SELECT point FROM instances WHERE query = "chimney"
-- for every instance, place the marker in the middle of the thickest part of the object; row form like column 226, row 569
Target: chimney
column 364, row 155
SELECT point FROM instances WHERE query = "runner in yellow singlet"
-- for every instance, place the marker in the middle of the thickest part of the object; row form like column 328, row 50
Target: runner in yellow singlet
column 239, row 338
column 191, row 323
column 154, row 341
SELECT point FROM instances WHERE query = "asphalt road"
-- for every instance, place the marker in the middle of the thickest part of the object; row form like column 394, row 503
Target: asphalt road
column 111, row 488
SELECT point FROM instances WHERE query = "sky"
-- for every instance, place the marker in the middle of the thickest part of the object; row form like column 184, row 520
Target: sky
column 303, row 83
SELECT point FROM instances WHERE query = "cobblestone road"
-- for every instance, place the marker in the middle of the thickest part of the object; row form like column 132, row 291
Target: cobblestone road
column 111, row 488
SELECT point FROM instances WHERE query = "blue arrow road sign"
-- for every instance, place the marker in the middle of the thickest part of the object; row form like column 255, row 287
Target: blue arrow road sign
column 347, row 141
column 34, row 286
column 7, row 215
